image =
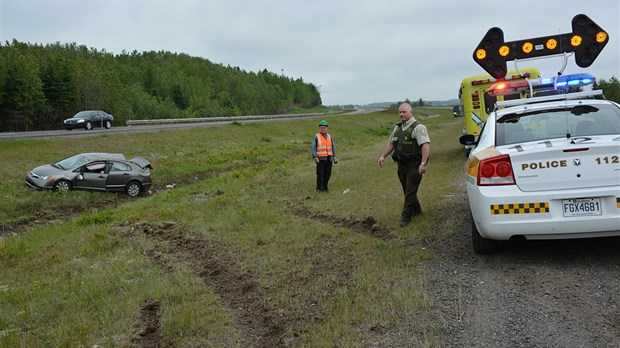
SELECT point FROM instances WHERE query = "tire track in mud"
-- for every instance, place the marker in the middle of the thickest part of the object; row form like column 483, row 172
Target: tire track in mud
column 368, row 225
column 257, row 325
column 147, row 330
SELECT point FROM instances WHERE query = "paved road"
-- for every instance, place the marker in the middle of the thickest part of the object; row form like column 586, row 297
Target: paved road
column 187, row 123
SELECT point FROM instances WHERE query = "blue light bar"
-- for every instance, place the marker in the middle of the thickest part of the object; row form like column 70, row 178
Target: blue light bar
column 541, row 84
column 574, row 80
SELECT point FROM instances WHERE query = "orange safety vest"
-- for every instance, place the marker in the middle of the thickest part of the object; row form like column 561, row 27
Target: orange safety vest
column 324, row 146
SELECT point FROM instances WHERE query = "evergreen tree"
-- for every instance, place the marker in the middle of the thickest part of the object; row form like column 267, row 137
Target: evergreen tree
column 611, row 88
column 59, row 90
column 22, row 94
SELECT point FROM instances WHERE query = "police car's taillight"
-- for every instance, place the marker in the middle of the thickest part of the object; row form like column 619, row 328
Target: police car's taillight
column 496, row 171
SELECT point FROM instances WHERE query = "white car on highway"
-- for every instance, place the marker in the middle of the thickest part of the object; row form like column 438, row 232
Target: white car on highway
column 545, row 168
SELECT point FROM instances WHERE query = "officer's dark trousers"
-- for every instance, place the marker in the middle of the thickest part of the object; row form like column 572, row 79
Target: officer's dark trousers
column 323, row 173
column 410, row 180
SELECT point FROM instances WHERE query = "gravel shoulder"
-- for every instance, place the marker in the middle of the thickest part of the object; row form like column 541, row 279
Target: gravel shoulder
column 528, row 294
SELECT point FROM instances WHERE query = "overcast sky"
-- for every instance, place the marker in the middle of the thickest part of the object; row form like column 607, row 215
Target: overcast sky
column 355, row 51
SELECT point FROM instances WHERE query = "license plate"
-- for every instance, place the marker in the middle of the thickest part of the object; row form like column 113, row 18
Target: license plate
column 582, row 207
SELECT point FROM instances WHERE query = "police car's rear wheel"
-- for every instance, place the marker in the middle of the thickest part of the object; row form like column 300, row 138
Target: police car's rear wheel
column 481, row 245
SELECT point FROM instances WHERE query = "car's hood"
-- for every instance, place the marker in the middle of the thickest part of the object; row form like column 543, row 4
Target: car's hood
column 47, row 170
column 143, row 163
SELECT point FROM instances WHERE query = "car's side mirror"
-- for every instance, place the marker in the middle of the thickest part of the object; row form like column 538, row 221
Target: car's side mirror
column 468, row 139
column 80, row 176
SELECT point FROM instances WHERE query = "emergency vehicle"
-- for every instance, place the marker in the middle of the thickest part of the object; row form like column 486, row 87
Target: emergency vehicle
column 546, row 166
column 477, row 103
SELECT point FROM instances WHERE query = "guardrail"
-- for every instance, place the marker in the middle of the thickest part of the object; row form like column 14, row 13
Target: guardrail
column 217, row 119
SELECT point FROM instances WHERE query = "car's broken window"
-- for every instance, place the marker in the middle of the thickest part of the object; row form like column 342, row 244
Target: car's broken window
column 96, row 167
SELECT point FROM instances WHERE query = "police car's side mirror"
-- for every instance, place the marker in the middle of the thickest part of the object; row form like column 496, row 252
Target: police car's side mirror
column 468, row 139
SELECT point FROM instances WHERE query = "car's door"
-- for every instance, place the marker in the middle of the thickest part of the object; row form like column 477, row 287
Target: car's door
column 120, row 174
column 97, row 119
column 92, row 176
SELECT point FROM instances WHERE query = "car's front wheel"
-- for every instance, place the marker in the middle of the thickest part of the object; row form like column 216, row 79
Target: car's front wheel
column 62, row 186
column 108, row 124
column 88, row 125
column 133, row 189
column 481, row 245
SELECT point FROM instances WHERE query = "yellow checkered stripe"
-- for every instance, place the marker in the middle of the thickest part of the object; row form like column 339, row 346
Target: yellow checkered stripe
column 520, row 208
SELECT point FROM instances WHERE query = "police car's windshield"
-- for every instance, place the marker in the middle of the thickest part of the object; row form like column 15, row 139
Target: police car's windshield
column 580, row 120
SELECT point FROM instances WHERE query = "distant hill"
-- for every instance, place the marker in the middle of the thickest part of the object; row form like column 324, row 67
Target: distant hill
column 450, row 102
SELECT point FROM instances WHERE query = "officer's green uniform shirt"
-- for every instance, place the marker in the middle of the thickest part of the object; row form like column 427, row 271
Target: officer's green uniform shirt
column 420, row 133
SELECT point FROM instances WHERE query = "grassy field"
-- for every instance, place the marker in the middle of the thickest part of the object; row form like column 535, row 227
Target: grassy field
column 232, row 247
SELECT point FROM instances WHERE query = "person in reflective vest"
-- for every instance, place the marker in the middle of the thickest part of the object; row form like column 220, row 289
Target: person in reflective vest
column 409, row 145
column 324, row 155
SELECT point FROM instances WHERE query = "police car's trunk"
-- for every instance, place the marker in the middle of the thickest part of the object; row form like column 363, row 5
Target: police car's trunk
column 561, row 144
column 583, row 162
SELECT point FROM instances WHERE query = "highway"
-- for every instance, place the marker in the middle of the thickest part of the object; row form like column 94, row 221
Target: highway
column 143, row 126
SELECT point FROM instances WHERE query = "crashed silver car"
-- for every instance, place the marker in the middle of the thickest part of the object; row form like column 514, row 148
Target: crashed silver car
column 94, row 171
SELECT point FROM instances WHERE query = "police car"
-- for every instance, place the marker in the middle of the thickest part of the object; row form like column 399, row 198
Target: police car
column 546, row 167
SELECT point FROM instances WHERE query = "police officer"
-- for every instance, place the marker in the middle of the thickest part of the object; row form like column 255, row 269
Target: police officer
column 324, row 155
column 410, row 147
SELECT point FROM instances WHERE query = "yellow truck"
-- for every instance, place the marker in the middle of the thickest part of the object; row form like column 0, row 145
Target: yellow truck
column 476, row 101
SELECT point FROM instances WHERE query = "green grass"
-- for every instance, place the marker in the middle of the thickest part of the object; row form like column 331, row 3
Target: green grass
column 76, row 268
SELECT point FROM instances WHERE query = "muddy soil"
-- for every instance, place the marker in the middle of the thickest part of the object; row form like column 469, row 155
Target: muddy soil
column 528, row 294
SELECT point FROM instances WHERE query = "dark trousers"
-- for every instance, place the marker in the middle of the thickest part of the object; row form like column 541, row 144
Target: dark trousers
column 323, row 173
column 410, row 180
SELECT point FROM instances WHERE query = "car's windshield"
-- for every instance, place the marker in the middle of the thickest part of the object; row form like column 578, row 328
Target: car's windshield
column 83, row 114
column 72, row 162
column 580, row 120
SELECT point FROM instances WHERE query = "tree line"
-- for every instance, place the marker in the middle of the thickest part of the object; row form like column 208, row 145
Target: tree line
column 611, row 88
column 41, row 85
